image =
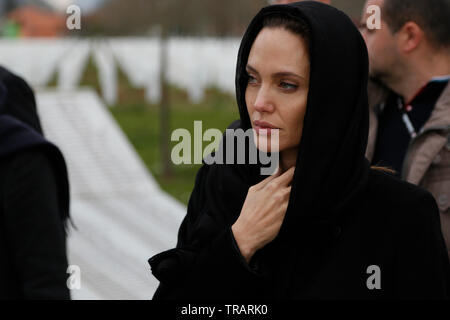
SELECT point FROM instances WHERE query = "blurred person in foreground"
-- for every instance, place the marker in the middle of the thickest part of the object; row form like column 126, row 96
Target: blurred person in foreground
column 320, row 225
column 34, row 200
column 410, row 117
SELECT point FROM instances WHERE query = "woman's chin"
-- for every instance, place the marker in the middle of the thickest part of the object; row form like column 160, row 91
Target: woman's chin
column 266, row 143
column 266, row 146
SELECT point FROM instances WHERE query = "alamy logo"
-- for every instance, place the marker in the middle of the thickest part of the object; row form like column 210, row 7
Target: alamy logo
column 234, row 151
column 74, row 20
column 74, row 280
column 373, row 21
column 374, row 280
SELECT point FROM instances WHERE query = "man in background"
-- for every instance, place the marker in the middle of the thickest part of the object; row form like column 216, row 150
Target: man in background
column 410, row 122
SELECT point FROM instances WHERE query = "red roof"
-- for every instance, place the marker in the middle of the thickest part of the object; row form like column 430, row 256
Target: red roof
column 36, row 22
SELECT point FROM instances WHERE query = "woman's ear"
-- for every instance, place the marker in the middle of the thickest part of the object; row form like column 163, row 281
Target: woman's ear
column 410, row 37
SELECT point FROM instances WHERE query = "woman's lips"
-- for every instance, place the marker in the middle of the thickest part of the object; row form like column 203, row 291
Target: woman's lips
column 262, row 125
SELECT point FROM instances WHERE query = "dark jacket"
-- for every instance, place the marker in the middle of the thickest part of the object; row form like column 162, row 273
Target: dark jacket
column 34, row 202
column 346, row 227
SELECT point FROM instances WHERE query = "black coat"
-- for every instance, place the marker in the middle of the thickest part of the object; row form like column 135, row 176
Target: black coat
column 34, row 201
column 346, row 227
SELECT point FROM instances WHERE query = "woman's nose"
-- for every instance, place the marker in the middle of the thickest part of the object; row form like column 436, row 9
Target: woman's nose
column 263, row 102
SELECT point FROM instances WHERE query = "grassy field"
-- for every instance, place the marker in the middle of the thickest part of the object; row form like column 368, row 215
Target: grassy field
column 140, row 122
column 141, row 125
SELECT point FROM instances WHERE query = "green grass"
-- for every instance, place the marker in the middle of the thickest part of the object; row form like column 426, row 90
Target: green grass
column 141, row 125
column 140, row 122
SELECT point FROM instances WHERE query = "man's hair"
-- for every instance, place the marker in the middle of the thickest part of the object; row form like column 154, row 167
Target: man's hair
column 432, row 16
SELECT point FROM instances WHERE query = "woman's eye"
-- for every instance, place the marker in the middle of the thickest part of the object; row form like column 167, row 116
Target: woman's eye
column 251, row 79
column 288, row 86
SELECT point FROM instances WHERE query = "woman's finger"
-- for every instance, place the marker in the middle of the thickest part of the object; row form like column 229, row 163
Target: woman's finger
column 286, row 178
column 263, row 183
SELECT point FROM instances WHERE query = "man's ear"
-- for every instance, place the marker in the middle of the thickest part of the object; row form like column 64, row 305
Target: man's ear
column 410, row 36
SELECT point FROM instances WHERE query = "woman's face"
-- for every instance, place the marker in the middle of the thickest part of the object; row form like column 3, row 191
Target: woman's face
column 277, row 91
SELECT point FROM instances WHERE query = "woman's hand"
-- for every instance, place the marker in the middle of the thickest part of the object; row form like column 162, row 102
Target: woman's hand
column 262, row 213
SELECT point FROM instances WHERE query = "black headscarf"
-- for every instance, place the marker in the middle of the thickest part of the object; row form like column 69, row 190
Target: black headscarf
column 19, row 101
column 20, row 130
column 331, row 169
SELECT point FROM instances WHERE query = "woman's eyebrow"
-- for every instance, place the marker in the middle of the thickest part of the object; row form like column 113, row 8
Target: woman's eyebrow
column 287, row 74
column 276, row 75
column 250, row 68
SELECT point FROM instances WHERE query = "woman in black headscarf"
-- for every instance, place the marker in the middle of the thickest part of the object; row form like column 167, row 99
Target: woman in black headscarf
column 34, row 200
column 326, row 225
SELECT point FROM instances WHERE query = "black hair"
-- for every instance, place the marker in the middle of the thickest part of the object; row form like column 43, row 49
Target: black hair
column 433, row 16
